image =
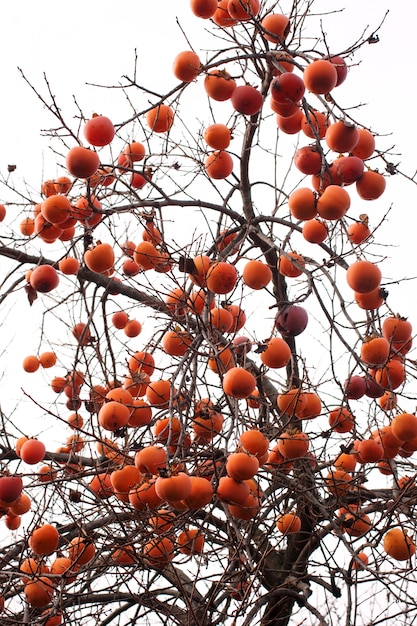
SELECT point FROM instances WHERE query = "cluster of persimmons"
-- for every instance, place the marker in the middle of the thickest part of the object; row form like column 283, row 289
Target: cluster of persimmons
column 181, row 467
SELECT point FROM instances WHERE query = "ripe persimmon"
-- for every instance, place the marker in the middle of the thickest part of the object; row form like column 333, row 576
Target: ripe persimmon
column 346, row 462
column 338, row 482
column 134, row 151
column 27, row 226
column 21, row 505
column 341, row 420
column 69, row 265
column 366, row 144
column 358, row 232
column 372, row 300
column 238, row 315
column 254, row 442
column 303, row 204
column 39, row 592
column 150, row 459
column 287, row 87
column 82, row 162
column 47, row 359
column 369, row 451
column 217, row 136
column 363, row 276
column 199, row 268
column 308, row 159
column 291, row 264
column 277, row 353
column 221, row 361
column 158, row 552
column 82, row 333
column 320, row 76
column 158, row 392
column 160, row 118
column 288, row 523
column 125, row 478
column 191, row 541
column 62, row 184
column 119, row 319
column 142, row 362
column 371, row 185
column 146, row 255
column 201, row 493
column 241, row 465
column 48, row 188
column 81, row 550
column 396, row 329
column 293, row 444
column 398, row 544
column 176, row 342
column 315, row 231
column 141, row 413
column 290, row 125
column 167, row 429
column 144, row 496
column 99, row 130
column 375, row 351
column 44, row 540
column 56, row 208
column 44, row 278
column 10, row 489
column 33, row 451
column 100, row 258
column 246, row 99
column 30, row 363
column 243, row 10
column 222, row 17
column 276, row 27
column 219, row 85
column 390, row 443
column 221, row 277
column 314, row 125
column 346, row 170
column 207, row 426
column 238, row 383
column 342, row 137
column 231, row 490
column 287, row 110
column 221, row 319
column 63, row 571
column 404, row 426
column 333, row 203
column 256, row 274
column 203, row 8
column 132, row 328
column 113, row 415
column 218, row 164
column 186, row 66
column 162, row 521
column 45, row 230
column 173, row 488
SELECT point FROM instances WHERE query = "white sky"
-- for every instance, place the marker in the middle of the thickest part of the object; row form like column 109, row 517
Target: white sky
column 94, row 41
column 80, row 42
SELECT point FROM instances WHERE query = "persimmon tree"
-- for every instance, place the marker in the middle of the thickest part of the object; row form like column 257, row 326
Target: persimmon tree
column 216, row 351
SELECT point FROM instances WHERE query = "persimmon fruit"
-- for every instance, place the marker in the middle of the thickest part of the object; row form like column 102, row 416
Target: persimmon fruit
column 186, row 66
column 238, row 383
column 82, row 162
column 44, row 278
column 99, row 130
